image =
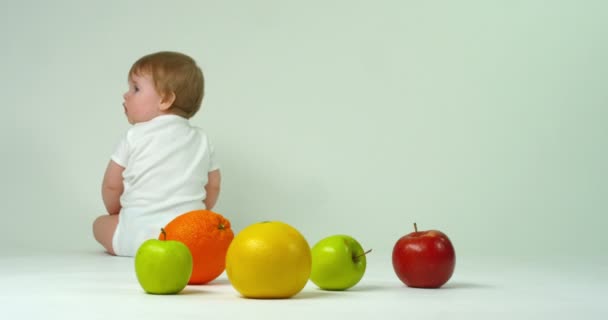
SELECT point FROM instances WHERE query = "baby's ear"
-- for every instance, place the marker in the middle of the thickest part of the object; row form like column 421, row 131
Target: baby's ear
column 167, row 101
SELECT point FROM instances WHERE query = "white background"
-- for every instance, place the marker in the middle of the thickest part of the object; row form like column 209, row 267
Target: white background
column 483, row 119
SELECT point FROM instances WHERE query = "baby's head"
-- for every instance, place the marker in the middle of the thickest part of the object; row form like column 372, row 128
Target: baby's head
column 176, row 74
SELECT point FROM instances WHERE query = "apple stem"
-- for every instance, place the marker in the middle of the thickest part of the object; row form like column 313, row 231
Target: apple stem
column 364, row 253
column 415, row 227
column 162, row 230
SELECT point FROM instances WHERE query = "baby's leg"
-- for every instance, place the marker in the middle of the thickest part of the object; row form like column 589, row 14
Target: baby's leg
column 103, row 230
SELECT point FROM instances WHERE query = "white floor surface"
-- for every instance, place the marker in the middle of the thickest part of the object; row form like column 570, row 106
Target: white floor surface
column 94, row 285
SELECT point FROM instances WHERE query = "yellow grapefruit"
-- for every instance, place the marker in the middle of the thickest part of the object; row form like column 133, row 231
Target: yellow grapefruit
column 268, row 260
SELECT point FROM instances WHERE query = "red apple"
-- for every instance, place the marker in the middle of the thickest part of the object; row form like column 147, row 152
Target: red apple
column 424, row 259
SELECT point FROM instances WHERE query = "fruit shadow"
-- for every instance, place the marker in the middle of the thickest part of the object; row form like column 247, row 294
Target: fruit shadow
column 316, row 294
column 467, row 285
column 364, row 288
column 216, row 282
column 188, row 291
column 303, row 295
column 320, row 293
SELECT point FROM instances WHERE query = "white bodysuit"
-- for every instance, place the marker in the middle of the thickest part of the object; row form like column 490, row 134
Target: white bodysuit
column 166, row 163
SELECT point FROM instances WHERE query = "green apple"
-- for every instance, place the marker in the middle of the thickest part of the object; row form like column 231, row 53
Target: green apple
column 338, row 262
column 163, row 267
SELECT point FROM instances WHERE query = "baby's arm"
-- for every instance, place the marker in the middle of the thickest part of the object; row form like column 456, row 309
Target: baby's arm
column 212, row 188
column 112, row 187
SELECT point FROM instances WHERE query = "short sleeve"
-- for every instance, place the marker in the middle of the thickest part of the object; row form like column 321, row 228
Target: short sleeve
column 121, row 153
column 213, row 164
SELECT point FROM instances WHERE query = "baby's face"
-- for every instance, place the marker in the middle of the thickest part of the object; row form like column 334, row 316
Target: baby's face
column 141, row 103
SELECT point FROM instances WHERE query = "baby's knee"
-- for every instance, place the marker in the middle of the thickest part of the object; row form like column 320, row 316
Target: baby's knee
column 103, row 230
column 98, row 224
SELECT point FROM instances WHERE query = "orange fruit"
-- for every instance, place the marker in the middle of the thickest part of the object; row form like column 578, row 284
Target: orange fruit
column 268, row 260
column 207, row 234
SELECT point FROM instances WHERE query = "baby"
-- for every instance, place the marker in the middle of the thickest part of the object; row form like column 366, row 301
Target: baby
column 163, row 166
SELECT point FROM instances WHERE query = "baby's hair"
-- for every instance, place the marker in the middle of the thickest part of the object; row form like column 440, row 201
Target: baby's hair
column 177, row 73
